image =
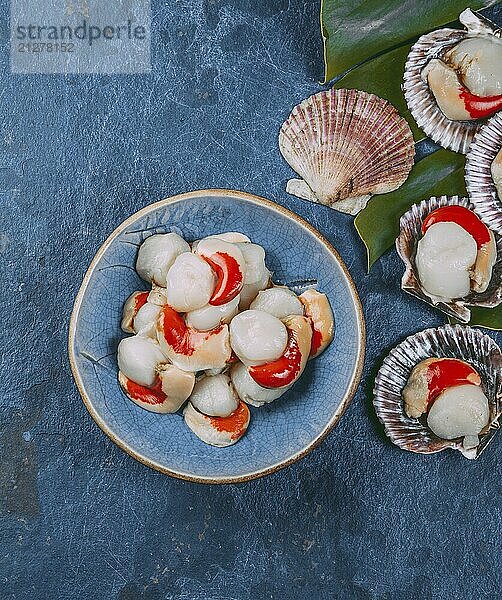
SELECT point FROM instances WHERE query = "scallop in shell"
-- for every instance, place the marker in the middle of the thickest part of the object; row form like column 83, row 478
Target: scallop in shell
column 464, row 343
column 406, row 244
column 435, row 53
column 346, row 145
column 483, row 173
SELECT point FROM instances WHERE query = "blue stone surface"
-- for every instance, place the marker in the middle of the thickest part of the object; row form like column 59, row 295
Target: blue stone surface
column 358, row 518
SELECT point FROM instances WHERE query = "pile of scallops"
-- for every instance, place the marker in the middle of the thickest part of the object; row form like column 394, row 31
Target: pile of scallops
column 214, row 334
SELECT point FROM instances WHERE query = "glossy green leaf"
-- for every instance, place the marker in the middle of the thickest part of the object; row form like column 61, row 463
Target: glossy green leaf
column 378, row 223
column 376, row 77
column 487, row 317
column 360, row 29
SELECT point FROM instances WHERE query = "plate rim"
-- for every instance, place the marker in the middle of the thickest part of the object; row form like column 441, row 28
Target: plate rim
column 347, row 398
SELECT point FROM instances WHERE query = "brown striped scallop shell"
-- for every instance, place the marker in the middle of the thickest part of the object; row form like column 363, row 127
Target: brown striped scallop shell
column 346, row 145
column 464, row 343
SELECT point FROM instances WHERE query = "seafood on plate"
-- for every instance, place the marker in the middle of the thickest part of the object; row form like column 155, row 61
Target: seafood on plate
column 448, row 391
column 214, row 334
column 453, row 259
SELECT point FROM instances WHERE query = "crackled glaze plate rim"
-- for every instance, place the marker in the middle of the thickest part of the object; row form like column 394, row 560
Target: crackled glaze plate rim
column 259, row 201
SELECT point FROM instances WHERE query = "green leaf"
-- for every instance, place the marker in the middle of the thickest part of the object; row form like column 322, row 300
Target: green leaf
column 437, row 174
column 366, row 43
column 376, row 77
column 378, row 223
column 358, row 30
column 490, row 318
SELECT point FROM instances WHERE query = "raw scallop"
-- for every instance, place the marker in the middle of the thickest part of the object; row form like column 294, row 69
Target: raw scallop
column 249, row 391
column 218, row 431
column 257, row 337
column 278, row 301
column 444, row 256
column 208, row 317
column 479, row 62
column 190, row 283
column 460, row 411
column 146, row 319
column 138, row 358
column 156, row 255
column 215, row 396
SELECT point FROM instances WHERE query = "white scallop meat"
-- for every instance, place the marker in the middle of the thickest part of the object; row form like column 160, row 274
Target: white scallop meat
column 146, row 319
column 190, row 283
column 157, row 254
column 215, row 396
column 460, row 411
column 209, row 317
column 445, row 255
column 251, row 392
column 278, row 301
column 257, row 337
column 138, row 359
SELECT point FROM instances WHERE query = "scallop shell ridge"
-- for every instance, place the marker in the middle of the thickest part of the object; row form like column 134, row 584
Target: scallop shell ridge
column 346, row 145
column 454, row 135
column 411, row 230
column 478, row 176
column 464, row 343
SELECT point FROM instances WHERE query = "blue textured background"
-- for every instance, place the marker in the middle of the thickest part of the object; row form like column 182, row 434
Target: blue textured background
column 358, row 518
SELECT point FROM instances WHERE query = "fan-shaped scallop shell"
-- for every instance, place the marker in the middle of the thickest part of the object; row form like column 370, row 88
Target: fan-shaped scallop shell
column 478, row 175
column 454, row 135
column 346, row 145
column 406, row 245
column 464, row 343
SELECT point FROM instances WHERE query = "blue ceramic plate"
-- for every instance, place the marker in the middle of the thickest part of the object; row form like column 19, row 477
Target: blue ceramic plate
column 279, row 433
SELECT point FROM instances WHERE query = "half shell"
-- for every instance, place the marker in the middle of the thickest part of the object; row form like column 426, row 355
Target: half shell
column 487, row 201
column 457, row 341
column 406, row 244
column 346, row 145
column 455, row 135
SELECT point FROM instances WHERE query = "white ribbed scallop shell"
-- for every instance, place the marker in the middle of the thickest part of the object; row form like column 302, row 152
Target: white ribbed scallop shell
column 478, row 176
column 454, row 135
column 346, row 145
column 411, row 231
column 464, row 343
